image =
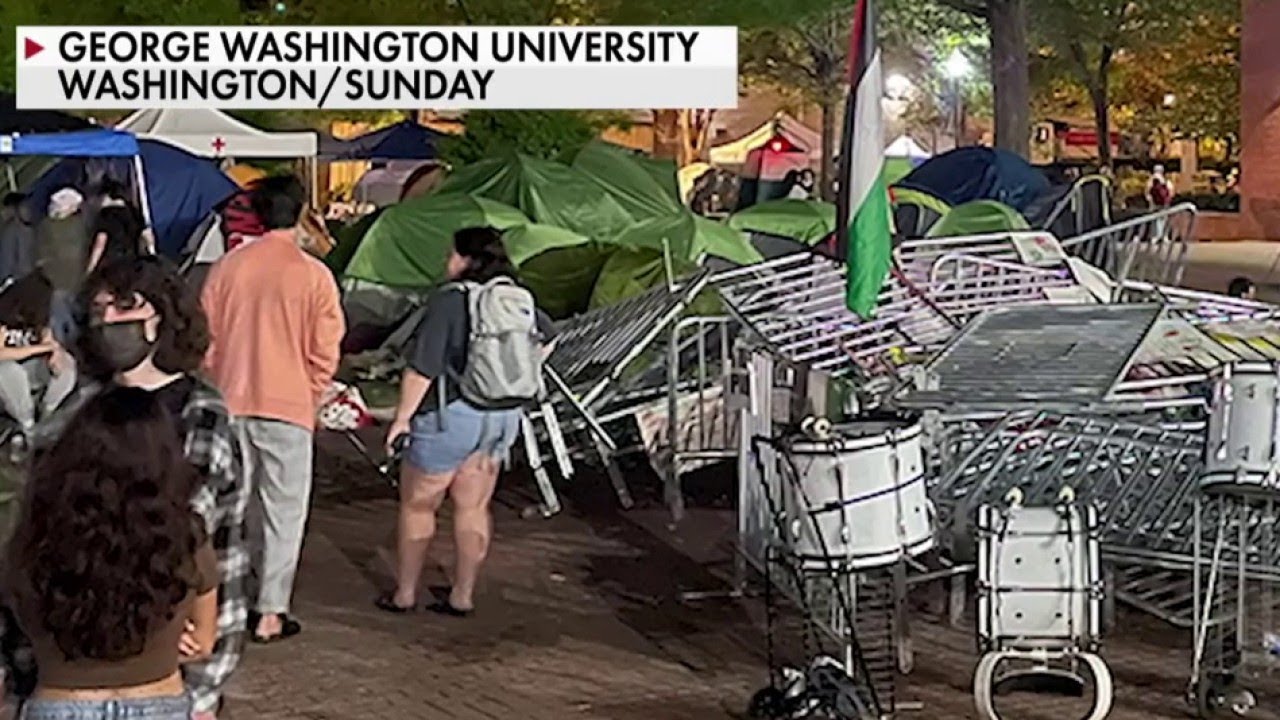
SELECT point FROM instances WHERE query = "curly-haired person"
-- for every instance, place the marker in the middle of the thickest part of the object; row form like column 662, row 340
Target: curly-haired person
column 109, row 566
column 142, row 327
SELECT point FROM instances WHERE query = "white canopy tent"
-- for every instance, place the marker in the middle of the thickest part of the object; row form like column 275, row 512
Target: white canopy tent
column 905, row 147
column 215, row 134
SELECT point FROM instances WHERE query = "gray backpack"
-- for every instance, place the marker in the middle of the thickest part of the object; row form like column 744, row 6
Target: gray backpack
column 504, row 354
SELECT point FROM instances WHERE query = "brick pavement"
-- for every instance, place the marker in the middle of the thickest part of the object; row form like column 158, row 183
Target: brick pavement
column 577, row 618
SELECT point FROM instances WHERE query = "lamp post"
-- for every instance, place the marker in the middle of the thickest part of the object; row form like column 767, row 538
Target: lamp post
column 956, row 68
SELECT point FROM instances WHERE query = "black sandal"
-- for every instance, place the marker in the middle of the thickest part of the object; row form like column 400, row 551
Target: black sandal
column 444, row 607
column 288, row 628
column 388, row 603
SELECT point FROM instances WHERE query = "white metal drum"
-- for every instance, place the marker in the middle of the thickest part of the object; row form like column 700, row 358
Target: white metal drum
column 860, row 501
column 1039, row 598
column 1241, row 447
column 1039, row 578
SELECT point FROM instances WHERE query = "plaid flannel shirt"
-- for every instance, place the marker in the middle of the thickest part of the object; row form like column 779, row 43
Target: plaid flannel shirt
column 222, row 501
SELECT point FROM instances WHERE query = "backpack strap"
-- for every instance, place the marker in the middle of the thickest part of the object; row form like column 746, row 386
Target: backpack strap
column 442, row 394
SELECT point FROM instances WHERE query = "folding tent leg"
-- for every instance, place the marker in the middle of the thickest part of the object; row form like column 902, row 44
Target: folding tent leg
column 550, row 502
column 143, row 199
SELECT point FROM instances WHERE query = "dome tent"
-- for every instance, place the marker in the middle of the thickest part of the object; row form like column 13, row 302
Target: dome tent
column 978, row 173
column 978, row 218
column 547, row 192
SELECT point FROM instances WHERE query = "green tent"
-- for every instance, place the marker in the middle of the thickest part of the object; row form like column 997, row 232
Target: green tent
column 628, row 180
column 548, row 192
column 632, row 271
column 564, row 278
column 408, row 244
column 914, row 212
column 665, row 173
column 805, row 221
column 690, row 237
column 978, row 217
column 896, row 168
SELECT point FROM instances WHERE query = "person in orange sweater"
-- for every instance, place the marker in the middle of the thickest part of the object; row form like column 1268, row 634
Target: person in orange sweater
column 277, row 324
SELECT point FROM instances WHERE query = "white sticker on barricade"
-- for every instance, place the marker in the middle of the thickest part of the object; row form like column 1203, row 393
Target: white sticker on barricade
column 1041, row 250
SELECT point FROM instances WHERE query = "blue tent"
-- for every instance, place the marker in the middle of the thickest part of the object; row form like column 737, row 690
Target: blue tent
column 79, row 143
column 978, row 173
column 406, row 140
column 181, row 189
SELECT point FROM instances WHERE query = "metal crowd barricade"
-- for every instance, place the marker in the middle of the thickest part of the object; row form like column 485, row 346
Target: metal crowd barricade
column 1151, row 247
column 916, row 257
column 1141, row 478
column 1086, row 207
column 797, row 305
column 597, row 358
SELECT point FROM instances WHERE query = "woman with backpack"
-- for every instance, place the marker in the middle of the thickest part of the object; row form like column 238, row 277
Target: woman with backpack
column 474, row 364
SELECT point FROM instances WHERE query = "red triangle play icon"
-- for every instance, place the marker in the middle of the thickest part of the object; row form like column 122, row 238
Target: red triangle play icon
column 31, row 48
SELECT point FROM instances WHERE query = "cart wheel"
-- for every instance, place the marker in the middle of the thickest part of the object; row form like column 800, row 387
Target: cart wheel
column 1212, row 696
column 767, row 704
column 1208, row 697
column 1241, row 701
column 1102, row 689
column 984, row 686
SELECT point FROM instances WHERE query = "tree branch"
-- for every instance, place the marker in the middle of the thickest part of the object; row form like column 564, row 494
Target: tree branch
column 1082, row 65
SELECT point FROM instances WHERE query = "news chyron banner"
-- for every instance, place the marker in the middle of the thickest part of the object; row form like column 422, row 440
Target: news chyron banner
column 446, row 68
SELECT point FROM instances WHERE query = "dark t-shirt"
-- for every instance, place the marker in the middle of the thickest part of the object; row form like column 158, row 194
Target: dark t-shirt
column 174, row 396
column 439, row 347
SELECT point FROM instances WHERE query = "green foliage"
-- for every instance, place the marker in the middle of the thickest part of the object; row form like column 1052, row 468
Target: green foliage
column 808, row 54
column 316, row 119
column 1186, row 49
column 1198, row 65
column 547, row 134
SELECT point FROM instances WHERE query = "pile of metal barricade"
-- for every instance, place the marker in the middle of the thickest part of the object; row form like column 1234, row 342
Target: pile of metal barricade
column 1055, row 421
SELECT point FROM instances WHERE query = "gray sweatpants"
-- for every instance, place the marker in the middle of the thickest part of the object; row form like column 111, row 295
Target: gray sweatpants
column 22, row 381
column 277, row 460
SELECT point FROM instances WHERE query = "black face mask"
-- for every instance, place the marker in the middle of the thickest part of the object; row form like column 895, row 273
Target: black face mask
column 120, row 346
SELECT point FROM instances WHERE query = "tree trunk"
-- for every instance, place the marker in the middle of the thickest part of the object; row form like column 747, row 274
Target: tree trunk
column 1101, row 117
column 694, row 131
column 666, row 134
column 1100, row 92
column 827, row 172
column 1010, row 74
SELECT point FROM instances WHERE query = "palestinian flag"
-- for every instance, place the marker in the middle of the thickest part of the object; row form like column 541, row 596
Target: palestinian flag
column 863, row 218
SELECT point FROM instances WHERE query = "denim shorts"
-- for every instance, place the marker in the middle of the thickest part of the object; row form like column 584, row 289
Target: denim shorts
column 436, row 448
column 160, row 708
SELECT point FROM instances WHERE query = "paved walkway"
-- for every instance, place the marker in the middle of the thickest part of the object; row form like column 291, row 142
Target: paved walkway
column 577, row 618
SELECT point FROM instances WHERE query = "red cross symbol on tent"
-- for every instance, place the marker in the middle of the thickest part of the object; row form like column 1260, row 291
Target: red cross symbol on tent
column 218, row 143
